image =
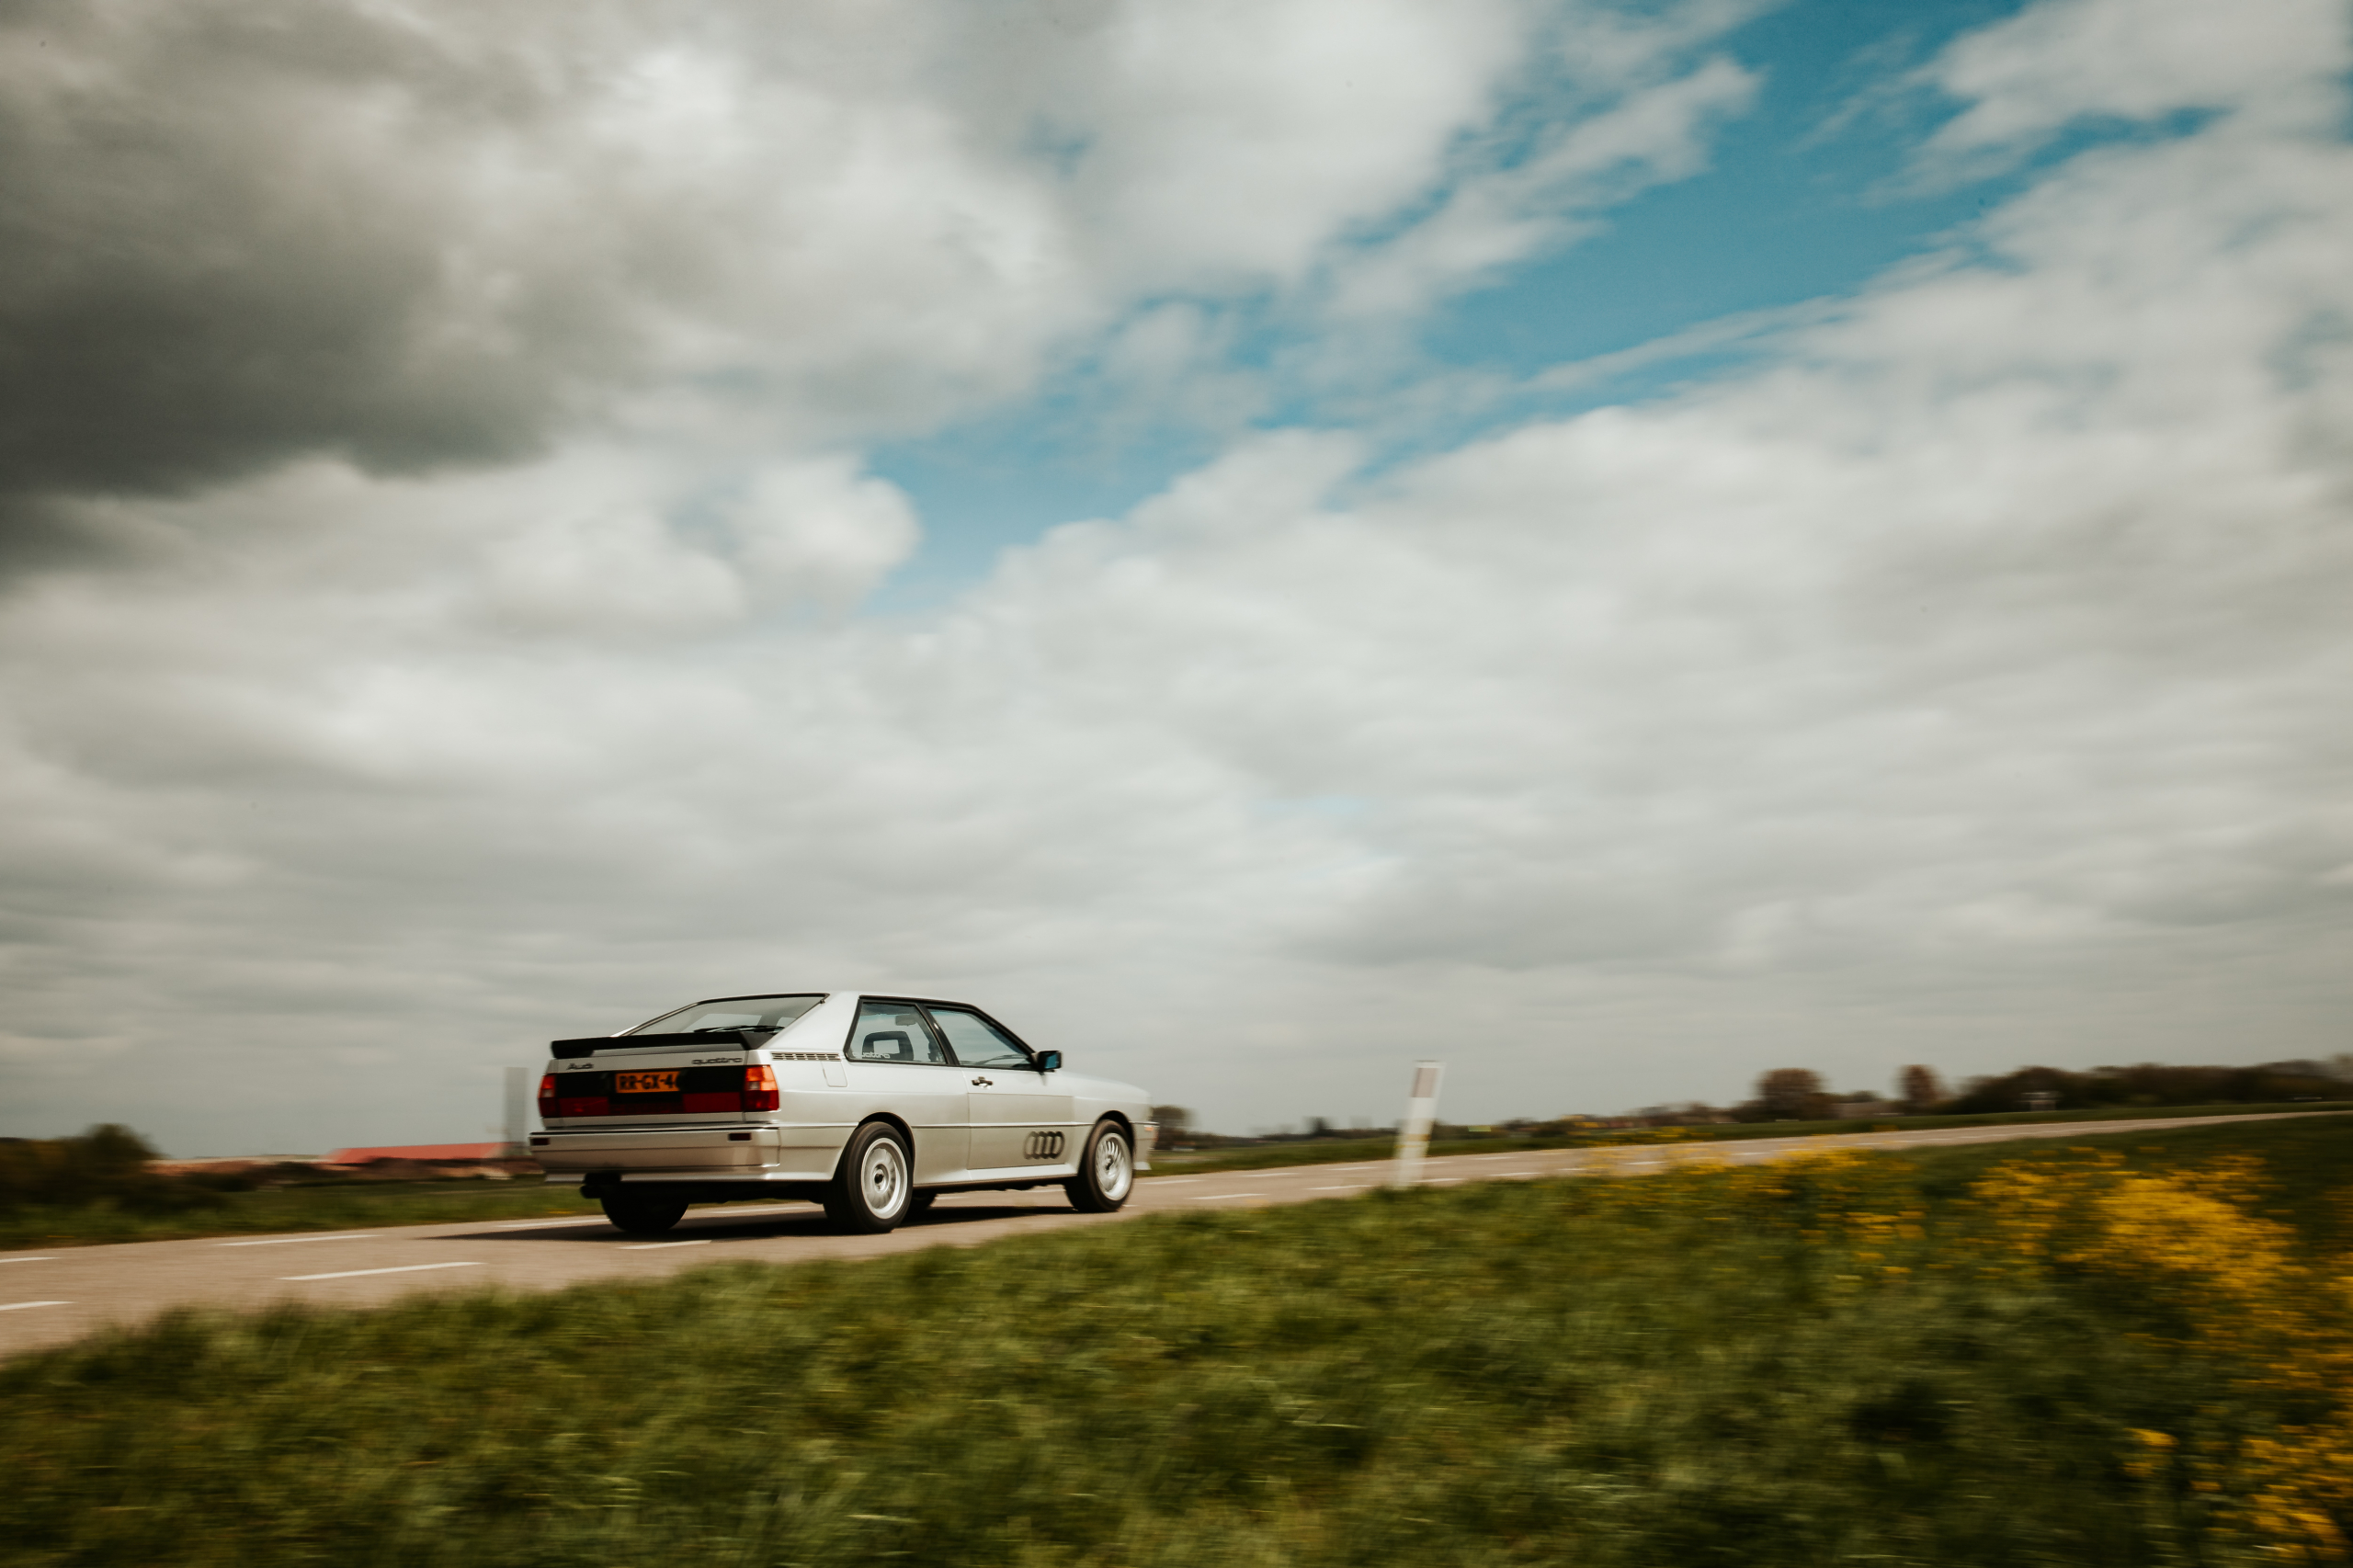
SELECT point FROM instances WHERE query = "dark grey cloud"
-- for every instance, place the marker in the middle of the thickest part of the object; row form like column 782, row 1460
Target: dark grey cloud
column 209, row 272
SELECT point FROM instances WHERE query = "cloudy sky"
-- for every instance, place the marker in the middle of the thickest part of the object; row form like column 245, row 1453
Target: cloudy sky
column 1615, row 545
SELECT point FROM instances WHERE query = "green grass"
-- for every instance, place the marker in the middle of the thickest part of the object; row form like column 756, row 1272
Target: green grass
column 1351, row 1150
column 347, row 1206
column 1593, row 1372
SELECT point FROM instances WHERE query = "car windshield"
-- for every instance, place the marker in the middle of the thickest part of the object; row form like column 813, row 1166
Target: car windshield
column 732, row 1013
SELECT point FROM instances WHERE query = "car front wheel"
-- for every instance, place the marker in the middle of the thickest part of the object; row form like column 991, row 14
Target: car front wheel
column 1107, row 1175
column 872, row 1190
column 643, row 1216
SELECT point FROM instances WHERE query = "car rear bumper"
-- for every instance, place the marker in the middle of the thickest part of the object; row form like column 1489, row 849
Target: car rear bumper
column 689, row 1153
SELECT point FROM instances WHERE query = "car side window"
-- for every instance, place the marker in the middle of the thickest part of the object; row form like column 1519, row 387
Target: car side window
column 977, row 1041
column 894, row 1031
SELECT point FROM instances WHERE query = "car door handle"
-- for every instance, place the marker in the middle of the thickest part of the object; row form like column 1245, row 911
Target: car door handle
column 984, row 1083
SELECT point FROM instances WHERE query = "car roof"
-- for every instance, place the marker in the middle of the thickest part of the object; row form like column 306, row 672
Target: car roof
column 829, row 996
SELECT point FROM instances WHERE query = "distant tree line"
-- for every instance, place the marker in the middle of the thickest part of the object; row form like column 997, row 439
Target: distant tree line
column 106, row 1164
column 1795, row 1093
column 2150, row 1083
column 115, row 1167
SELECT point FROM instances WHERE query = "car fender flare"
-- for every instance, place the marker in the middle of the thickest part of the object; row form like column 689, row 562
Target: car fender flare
column 894, row 1122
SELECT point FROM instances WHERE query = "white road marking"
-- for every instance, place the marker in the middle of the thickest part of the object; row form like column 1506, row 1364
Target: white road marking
column 649, row 1246
column 1215, row 1196
column 20, row 1306
column 552, row 1224
column 45, row 1258
column 355, row 1273
column 281, row 1241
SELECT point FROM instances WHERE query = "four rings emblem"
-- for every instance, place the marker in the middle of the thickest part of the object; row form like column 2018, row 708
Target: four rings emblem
column 1043, row 1146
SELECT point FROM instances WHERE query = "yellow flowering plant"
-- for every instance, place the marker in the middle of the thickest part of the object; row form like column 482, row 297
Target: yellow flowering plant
column 2244, row 1296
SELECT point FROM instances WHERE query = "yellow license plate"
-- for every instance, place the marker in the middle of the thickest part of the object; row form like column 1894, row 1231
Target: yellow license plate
column 645, row 1082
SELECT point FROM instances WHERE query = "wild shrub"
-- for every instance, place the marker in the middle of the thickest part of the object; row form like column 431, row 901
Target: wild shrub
column 107, row 1166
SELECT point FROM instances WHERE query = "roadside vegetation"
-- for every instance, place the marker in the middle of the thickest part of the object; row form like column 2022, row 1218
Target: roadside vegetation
column 99, row 1188
column 2135, row 1351
column 1341, row 1150
column 268, row 1211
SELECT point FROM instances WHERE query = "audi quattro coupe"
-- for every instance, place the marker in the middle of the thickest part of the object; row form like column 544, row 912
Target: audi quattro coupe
column 872, row 1105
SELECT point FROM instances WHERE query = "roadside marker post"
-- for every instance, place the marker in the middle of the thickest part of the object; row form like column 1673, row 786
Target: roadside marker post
column 1414, row 1132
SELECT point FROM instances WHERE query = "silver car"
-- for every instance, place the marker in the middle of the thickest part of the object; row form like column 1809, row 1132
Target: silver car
column 872, row 1105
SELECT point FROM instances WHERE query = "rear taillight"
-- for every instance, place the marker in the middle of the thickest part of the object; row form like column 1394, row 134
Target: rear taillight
column 759, row 1088
column 547, row 1095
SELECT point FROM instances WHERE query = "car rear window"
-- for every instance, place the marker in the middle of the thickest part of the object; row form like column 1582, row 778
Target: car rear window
column 733, row 1013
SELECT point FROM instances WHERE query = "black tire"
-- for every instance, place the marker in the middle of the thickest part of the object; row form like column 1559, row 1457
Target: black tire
column 643, row 1216
column 1106, row 1174
column 873, row 1190
column 920, row 1204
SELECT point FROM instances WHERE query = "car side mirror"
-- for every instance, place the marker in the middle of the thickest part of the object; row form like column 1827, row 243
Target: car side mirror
column 1049, row 1061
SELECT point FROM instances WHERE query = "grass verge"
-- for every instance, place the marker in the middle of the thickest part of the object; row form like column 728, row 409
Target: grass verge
column 1850, row 1359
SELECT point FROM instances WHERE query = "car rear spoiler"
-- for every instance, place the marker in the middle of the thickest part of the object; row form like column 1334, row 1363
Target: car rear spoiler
column 716, row 1039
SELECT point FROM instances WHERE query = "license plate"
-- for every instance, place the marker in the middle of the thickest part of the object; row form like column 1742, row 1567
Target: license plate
column 645, row 1082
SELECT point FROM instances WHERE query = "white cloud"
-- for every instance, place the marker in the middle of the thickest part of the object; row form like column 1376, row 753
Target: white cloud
column 1236, row 139
column 2066, row 60
column 819, row 532
column 1498, row 217
column 1962, row 686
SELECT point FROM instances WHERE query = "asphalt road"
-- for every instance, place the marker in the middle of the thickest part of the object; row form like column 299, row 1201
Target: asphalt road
column 50, row 1298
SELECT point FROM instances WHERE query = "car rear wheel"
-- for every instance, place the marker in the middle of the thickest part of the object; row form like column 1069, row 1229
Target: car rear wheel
column 643, row 1216
column 1107, row 1175
column 872, row 1192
